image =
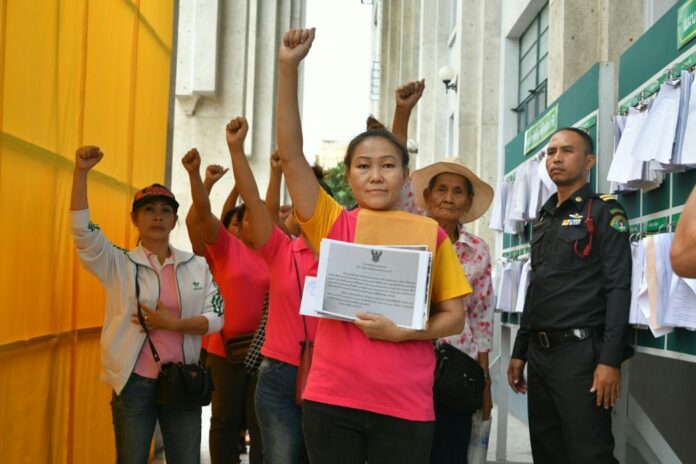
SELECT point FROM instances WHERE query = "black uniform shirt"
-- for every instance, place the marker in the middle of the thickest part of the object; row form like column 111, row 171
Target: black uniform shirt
column 567, row 291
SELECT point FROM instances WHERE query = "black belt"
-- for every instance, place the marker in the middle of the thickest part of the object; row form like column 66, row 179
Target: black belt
column 548, row 339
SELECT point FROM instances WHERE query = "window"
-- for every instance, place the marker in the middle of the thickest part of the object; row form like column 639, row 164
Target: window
column 533, row 70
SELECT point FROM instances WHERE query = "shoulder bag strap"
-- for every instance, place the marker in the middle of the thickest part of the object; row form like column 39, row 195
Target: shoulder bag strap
column 141, row 318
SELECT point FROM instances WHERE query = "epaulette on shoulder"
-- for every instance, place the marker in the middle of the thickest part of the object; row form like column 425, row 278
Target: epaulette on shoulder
column 607, row 197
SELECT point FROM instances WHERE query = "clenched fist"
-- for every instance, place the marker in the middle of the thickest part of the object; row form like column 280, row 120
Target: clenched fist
column 192, row 161
column 87, row 157
column 408, row 94
column 236, row 132
column 214, row 173
column 295, row 46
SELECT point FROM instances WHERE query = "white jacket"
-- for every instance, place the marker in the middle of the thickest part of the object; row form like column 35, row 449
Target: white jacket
column 116, row 268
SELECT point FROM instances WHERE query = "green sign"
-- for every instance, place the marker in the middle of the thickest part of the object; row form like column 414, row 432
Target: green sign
column 686, row 23
column 541, row 130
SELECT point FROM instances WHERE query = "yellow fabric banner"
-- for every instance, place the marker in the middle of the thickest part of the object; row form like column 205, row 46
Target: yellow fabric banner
column 72, row 72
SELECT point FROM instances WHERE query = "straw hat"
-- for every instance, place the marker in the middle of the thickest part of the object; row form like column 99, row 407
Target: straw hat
column 483, row 193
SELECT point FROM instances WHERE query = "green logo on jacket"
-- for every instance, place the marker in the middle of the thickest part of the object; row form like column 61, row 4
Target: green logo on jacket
column 217, row 301
column 197, row 285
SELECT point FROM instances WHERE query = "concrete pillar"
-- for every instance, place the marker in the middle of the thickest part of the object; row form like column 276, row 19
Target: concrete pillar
column 583, row 32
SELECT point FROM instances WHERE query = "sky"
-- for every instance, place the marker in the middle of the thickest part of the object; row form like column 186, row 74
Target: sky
column 336, row 98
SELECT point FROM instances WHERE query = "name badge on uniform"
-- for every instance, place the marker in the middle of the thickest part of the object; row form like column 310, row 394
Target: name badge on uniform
column 573, row 220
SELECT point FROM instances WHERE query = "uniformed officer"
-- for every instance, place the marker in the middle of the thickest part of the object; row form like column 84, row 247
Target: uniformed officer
column 574, row 327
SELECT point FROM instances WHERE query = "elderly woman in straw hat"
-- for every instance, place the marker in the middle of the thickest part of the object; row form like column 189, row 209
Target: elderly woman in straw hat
column 453, row 195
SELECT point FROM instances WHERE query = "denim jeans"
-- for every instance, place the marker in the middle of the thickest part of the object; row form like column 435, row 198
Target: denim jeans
column 340, row 435
column 233, row 401
column 280, row 418
column 452, row 436
column 135, row 412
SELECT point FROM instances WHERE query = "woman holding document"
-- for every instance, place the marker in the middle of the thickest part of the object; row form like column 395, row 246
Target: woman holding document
column 369, row 393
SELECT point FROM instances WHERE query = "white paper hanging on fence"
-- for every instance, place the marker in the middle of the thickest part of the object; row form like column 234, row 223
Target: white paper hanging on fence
column 624, row 167
column 523, row 285
column 497, row 221
column 656, row 140
column 504, row 290
column 688, row 152
column 636, row 316
column 681, row 311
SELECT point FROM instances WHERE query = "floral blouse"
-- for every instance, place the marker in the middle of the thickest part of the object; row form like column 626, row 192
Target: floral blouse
column 475, row 258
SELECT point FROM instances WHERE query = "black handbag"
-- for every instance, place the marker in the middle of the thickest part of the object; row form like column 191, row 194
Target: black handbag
column 184, row 384
column 459, row 380
column 177, row 383
column 236, row 348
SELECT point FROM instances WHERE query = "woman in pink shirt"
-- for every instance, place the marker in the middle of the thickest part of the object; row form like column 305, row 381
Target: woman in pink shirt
column 289, row 261
column 243, row 280
column 369, row 393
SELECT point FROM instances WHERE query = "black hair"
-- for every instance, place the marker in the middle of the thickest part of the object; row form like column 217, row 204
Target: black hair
column 587, row 140
column 320, row 174
column 467, row 183
column 379, row 133
column 227, row 218
column 237, row 212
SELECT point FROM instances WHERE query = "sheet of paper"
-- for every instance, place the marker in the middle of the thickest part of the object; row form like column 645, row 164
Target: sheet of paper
column 310, row 301
column 523, row 284
column 624, row 167
column 650, row 292
column 636, row 316
column 681, row 311
column 656, row 140
column 504, row 302
column 376, row 279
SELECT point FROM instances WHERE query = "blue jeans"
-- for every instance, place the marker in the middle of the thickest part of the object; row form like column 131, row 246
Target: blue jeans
column 280, row 418
column 135, row 412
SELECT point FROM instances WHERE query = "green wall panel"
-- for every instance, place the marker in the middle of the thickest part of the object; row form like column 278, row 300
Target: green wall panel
column 683, row 184
column 682, row 340
column 656, row 200
column 651, row 52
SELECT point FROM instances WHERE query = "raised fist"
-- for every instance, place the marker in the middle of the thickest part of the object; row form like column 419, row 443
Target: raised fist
column 87, row 157
column 236, row 132
column 192, row 161
column 214, row 173
column 295, row 45
column 408, row 94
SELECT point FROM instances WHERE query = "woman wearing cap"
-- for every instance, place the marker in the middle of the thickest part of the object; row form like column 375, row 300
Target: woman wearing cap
column 369, row 393
column 453, row 196
column 176, row 320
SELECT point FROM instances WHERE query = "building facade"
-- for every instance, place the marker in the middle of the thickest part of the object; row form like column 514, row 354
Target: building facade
column 226, row 67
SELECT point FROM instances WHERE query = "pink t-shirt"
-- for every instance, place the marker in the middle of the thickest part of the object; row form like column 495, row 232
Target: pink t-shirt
column 242, row 276
column 167, row 343
column 284, row 328
column 351, row 370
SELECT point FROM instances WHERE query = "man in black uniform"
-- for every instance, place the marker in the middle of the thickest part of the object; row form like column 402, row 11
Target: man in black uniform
column 574, row 327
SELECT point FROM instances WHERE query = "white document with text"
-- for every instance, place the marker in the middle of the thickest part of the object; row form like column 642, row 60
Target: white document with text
column 389, row 281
